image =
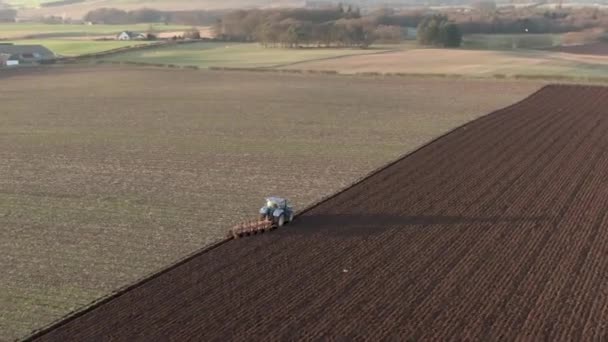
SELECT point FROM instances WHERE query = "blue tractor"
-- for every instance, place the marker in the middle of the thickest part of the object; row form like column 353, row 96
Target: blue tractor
column 277, row 210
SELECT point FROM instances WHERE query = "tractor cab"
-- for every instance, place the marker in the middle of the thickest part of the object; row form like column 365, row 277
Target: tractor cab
column 277, row 210
column 276, row 203
column 276, row 213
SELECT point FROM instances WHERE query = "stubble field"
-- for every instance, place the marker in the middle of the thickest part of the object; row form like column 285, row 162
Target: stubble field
column 476, row 63
column 109, row 174
column 496, row 231
column 236, row 55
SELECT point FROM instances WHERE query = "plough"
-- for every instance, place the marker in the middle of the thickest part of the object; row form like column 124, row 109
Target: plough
column 276, row 213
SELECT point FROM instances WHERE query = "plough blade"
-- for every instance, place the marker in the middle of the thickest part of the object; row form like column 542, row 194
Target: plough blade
column 251, row 228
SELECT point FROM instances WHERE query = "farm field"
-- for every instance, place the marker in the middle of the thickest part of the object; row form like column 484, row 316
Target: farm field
column 247, row 55
column 78, row 10
column 510, row 41
column 54, row 31
column 497, row 230
column 67, row 47
column 113, row 173
column 599, row 49
column 468, row 63
column 405, row 58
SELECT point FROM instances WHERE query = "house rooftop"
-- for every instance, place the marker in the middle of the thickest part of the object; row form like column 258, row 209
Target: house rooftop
column 131, row 33
column 26, row 49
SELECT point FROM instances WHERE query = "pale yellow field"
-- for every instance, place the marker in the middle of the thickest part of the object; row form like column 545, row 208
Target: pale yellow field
column 467, row 62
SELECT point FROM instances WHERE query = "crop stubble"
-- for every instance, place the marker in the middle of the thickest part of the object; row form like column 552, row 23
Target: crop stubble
column 495, row 230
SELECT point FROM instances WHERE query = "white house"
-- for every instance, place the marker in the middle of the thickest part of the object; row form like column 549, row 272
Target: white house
column 128, row 35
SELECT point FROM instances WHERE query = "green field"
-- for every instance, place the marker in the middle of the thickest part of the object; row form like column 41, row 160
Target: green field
column 22, row 30
column 510, row 41
column 78, row 47
column 206, row 55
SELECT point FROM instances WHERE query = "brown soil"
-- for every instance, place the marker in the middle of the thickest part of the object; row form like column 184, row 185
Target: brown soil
column 498, row 230
column 598, row 49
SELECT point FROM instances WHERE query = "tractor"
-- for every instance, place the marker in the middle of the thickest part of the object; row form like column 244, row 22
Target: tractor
column 277, row 210
column 276, row 213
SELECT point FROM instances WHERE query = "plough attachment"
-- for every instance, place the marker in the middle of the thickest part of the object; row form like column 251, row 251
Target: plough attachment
column 251, row 228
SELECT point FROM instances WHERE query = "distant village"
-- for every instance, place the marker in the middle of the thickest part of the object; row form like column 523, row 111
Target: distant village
column 12, row 55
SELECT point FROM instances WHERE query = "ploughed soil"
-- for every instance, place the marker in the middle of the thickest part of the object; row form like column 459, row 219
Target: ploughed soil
column 497, row 230
column 598, row 48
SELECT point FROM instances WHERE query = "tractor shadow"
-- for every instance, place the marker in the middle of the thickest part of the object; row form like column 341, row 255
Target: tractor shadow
column 370, row 224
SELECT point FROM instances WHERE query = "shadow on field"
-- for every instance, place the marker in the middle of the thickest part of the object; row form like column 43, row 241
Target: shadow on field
column 345, row 224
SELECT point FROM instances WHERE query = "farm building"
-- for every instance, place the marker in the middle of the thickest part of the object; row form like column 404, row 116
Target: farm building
column 128, row 35
column 4, row 59
column 25, row 54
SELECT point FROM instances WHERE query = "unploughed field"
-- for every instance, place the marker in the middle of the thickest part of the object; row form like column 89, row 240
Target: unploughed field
column 496, row 231
column 109, row 174
column 249, row 55
column 29, row 30
column 470, row 63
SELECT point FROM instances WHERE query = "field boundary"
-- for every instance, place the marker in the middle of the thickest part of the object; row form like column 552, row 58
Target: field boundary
column 119, row 292
column 532, row 77
column 416, row 150
column 536, row 77
column 124, row 49
column 331, row 58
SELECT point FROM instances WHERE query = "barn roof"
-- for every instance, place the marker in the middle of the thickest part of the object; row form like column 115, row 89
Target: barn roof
column 26, row 49
column 131, row 34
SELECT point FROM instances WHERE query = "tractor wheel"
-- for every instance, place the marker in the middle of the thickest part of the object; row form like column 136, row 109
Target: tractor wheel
column 281, row 221
column 290, row 218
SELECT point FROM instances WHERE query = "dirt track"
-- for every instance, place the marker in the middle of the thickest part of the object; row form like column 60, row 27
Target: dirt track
column 497, row 230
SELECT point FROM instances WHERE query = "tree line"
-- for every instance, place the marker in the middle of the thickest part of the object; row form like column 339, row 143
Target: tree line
column 340, row 27
column 346, row 26
column 439, row 31
column 114, row 16
column 342, row 24
column 293, row 27
column 488, row 20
